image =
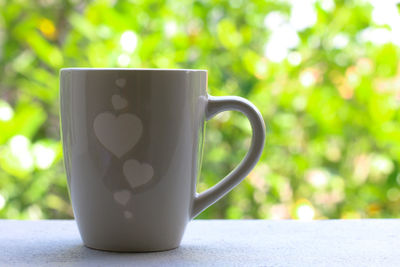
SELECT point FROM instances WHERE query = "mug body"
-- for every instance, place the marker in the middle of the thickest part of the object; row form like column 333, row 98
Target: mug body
column 132, row 143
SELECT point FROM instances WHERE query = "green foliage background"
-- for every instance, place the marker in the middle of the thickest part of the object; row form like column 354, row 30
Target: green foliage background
column 331, row 102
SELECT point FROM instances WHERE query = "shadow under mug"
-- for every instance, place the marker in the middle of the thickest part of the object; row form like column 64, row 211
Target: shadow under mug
column 132, row 142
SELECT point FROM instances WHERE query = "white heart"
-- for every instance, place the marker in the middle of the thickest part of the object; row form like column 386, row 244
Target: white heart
column 137, row 174
column 120, row 82
column 122, row 197
column 118, row 134
column 118, row 102
column 128, row 214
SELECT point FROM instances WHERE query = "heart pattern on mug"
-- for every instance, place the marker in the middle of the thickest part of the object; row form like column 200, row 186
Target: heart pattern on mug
column 118, row 134
column 122, row 197
column 128, row 214
column 120, row 82
column 137, row 174
column 119, row 102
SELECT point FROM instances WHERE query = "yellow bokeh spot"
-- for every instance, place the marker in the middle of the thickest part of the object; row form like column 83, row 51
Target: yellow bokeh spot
column 48, row 29
column 374, row 210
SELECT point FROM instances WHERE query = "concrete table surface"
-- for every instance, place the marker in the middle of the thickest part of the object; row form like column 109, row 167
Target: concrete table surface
column 215, row 243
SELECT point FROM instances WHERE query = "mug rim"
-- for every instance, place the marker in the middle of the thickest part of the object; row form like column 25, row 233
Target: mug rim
column 133, row 69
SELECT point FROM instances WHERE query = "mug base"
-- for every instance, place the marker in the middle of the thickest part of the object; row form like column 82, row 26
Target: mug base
column 128, row 250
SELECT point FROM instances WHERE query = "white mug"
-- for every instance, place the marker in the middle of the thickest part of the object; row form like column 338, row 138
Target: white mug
column 132, row 142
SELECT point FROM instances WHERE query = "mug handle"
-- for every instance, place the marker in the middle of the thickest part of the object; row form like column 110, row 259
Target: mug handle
column 224, row 103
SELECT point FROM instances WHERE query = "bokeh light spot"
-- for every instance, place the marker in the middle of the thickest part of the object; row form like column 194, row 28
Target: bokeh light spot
column 128, row 41
column 303, row 14
column 307, row 78
column 305, row 213
column 280, row 42
column 170, row 28
column 44, row 156
column 2, row 201
column 6, row 112
column 274, row 19
column 124, row 60
column 19, row 146
column 304, row 210
column 318, row 178
column 327, row 5
column 294, row 58
column 47, row 28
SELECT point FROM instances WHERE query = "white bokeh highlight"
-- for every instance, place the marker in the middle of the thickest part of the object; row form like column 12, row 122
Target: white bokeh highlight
column 44, row 156
column 303, row 14
column 385, row 12
column 6, row 112
column 124, row 60
column 128, row 41
column 283, row 38
column 20, row 149
column 2, row 202
column 305, row 213
column 170, row 28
